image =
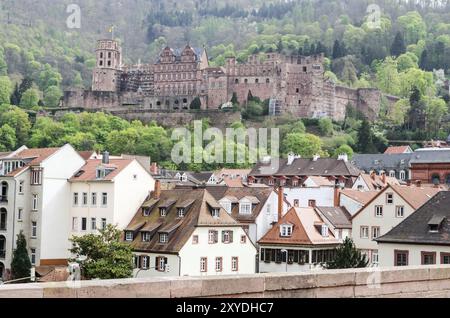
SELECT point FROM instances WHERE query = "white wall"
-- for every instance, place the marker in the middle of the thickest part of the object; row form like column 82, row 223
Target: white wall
column 360, row 182
column 173, row 261
column 191, row 253
column 267, row 215
column 54, row 225
column 386, row 253
column 351, row 205
column 324, row 196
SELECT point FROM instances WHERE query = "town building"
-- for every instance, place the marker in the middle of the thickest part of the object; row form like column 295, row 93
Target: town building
column 373, row 182
column 255, row 208
column 107, row 191
column 355, row 200
column 183, row 79
column 186, row 232
column 393, row 150
column 338, row 220
column 314, row 191
column 422, row 238
column 386, row 210
column 232, row 178
column 393, row 165
column 294, row 170
column 300, row 241
column 36, row 200
column 170, row 179
column 431, row 165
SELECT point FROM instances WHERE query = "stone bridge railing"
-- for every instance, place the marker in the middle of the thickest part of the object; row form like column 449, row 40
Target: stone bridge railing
column 430, row 281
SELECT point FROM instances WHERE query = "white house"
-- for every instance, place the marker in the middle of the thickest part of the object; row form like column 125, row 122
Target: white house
column 386, row 210
column 255, row 208
column 107, row 191
column 186, row 232
column 300, row 241
column 373, row 182
column 422, row 238
column 36, row 201
column 355, row 200
column 315, row 191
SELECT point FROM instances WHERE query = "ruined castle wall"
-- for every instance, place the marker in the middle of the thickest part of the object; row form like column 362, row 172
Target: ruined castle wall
column 369, row 102
column 345, row 96
column 92, row 100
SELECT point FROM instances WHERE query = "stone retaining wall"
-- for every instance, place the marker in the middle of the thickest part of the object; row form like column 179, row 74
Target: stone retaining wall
column 432, row 281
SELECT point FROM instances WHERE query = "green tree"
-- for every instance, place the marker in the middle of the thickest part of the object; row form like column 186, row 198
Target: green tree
column 365, row 142
column 30, row 99
column 326, row 127
column 21, row 264
column 347, row 256
column 398, row 46
column 344, row 150
column 103, row 255
column 7, row 138
column 306, row 145
column 52, row 96
column 19, row 121
column 5, row 90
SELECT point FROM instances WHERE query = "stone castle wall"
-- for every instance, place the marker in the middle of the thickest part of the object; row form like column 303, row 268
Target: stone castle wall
column 411, row 282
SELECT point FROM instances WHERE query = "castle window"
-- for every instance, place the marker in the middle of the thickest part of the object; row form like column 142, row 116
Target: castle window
column 185, row 100
column 158, row 103
column 246, row 81
column 297, row 90
column 101, row 63
column 101, row 55
column 267, row 80
column 236, row 81
column 109, row 55
column 256, row 81
column 109, row 63
column 304, row 69
column 299, row 101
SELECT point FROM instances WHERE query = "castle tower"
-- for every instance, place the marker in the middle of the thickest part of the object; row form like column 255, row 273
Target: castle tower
column 106, row 73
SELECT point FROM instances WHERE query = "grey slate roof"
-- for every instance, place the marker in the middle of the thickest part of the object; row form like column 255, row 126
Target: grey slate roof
column 338, row 216
column 309, row 167
column 431, row 156
column 415, row 229
column 368, row 162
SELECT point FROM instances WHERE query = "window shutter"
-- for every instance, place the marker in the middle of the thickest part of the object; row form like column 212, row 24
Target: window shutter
column 223, row 236
column 231, row 236
column 216, row 236
column 141, row 262
column 148, row 261
column 157, row 264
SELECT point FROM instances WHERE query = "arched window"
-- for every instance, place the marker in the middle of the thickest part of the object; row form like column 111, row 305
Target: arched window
column 4, row 192
column 3, row 218
column 402, row 175
column 436, row 179
column 392, row 174
column 2, row 246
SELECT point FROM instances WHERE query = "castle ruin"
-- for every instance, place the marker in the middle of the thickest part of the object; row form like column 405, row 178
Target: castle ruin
column 295, row 83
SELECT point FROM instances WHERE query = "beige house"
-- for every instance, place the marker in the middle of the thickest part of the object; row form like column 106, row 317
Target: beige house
column 386, row 210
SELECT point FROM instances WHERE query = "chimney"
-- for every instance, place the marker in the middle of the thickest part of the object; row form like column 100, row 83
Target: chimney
column 372, row 175
column 105, row 158
column 408, row 183
column 280, row 202
column 343, row 157
column 156, row 194
column 316, row 157
column 154, row 168
column 291, row 158
column 337, row 196
column 383, row 178
column 419, row 183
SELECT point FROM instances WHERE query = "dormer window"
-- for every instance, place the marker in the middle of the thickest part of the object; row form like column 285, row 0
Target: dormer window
column 146, row 237
column 181, row 212
column 163, row 238
column 435, row 223
column 286, row 230
column 146, row 211
column 162, row 212
column 215, row 212
column 325, row 232
column 129, row 236
column 245, row 208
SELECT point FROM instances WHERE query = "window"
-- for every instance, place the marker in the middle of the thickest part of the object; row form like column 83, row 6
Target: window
column 219, row 264
column 286, row 230
column 203, row 264
column 445, row 258
column 103, row 224
column 161, row 263
column 226, row 205
column 181, row 212
column 85, row 199
column 195, row 239
column 428, row 258
column 21, row 184
column 243, row 239
column 75, row 224
column 400, row 211
column 215, row 213
column 364, row 232
column 145, row 262
column 213, row 237
column 83, row 224
column 379, row 211
column 36, row 176
column 163, row 238
column 296, row 203
column 146, row 211
column 392, row 174
column 146, row 237
column 75, row 199
column 234, row 264
column 402, row 175
column 375, row 257
column 33, row 256
column 94, row 199
column 19, row 214
column 227, row 237
column 34, row 204
column 401, row 258
column 93, row 224
column 312, row 203
column 389, row 198
column 129, row 237
column 104, row 199
column 245, row 208
column 325, row 230
column 375, row 232
column 33, row 229
column 162, row 212
column 135, row 261
column 269, row 209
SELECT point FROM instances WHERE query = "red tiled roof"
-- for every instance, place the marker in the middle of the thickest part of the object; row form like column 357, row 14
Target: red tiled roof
column 37, row 156
column 396, row 150
column 89, row 170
